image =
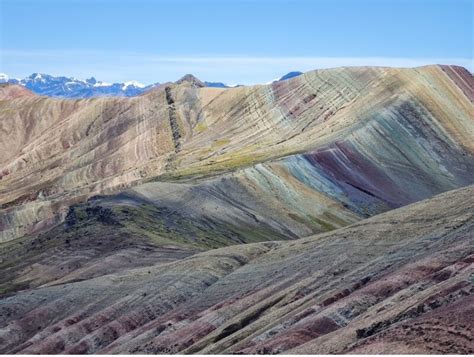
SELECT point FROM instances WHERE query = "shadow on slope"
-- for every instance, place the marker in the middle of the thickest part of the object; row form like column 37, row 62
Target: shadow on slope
column 399, row 279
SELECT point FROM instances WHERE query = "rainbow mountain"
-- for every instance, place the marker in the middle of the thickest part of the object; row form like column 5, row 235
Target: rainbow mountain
column 197, row 219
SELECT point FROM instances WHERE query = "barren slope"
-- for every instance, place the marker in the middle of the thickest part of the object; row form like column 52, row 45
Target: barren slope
column 333, row 145
column 112, row 210
column 399, row 282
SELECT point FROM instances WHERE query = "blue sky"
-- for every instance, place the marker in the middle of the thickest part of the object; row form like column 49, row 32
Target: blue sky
column 231, row 41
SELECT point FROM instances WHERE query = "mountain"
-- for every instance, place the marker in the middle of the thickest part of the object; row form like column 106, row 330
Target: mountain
column 356, row 150
column 265, row 218
column 67, row 87
column 290, row 75
column 191, row 80
column 399, row 281
column 216, row 85
column 222, row 85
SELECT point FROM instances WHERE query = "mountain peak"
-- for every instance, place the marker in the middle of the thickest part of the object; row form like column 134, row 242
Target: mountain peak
column 35, row 75
column 290, row 75
column 189, row 78
column 12, row 91
column 133, row 84
column 70, row 87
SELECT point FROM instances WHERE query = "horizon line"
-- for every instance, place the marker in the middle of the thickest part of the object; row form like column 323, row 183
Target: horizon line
column 92, row 64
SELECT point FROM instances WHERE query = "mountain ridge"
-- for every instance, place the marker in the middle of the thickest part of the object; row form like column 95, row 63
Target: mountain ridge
column 327, row 213
column 70, row 87
column 399, row 279
column 179, row 132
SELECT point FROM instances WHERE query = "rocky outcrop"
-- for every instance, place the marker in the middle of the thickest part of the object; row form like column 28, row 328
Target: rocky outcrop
column 175, row 130
column 191, row 80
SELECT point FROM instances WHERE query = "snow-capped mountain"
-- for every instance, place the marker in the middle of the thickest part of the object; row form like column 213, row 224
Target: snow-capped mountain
column 69, row 87
column 3, row 78
column 221, row 85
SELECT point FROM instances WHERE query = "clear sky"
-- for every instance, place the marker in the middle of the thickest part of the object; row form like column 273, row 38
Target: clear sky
column 234, row 41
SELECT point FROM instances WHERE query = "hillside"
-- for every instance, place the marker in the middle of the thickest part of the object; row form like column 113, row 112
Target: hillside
column 264, row 219
column 305, row 155
column 399, row 282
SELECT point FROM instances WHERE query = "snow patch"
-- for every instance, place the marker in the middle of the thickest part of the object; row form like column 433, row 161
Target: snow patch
column 132, row 83
column 102, row 84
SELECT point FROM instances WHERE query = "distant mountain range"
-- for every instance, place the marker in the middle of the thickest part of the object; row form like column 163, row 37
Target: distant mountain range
column 70, row 87
column 221, row 85
column 290, row 75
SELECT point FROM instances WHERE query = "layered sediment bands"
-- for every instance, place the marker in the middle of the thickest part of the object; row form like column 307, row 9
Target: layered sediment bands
column 14, row 92
column 463, row 79
column 320, row 108
column 398, row 282
column 167, row 222
column 406, row 126
column 266, row 202
column 97, row 145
